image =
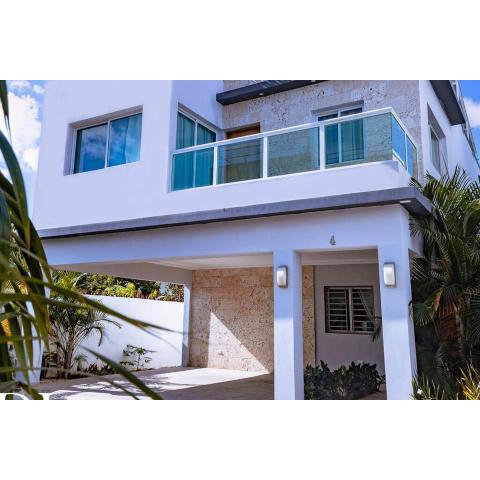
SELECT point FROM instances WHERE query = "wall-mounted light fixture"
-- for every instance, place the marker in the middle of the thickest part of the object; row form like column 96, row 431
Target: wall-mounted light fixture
column 389, row 274
column 282, row 276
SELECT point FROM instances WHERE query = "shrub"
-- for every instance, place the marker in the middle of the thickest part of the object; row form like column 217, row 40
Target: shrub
column 136, row 357
column 344, row 383
column 467, row 387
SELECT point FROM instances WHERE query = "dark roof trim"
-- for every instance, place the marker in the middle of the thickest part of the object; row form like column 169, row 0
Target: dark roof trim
column 261, row 89
column 408, row 197
column 444, row 91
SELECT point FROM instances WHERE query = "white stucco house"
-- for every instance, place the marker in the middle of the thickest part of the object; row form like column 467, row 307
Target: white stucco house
column 282, row 206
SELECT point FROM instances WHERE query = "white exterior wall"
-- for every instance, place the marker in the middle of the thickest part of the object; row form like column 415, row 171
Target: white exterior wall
column 167, row 348
column 122, row 192
column 356, row 228
column 338, row 349
column 142, row 189
column 458, row 148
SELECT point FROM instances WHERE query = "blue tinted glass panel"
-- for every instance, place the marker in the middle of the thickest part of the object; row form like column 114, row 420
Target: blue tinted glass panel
column 90, row 148
column 412, row 159
column 293, row 152
column 398, row 140
column 205, row 135
column 240, row 161
column 203, row 167
column 193, row 169
column 124, row 140
column 331, row 145
column 183, row 171
column 185, row 131
column 352, row 141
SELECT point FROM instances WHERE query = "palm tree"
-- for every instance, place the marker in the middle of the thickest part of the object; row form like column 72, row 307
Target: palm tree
column 69, row 327
column 446, row 281
column 27, row 289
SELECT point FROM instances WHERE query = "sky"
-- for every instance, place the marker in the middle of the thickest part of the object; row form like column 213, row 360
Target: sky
column 26, row 100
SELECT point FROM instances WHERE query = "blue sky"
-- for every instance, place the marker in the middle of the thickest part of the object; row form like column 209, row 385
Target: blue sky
column 26, row 99
column 471, row 94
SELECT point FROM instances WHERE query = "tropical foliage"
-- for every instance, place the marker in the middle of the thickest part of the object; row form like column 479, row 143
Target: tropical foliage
column 27, row 289
column 94, row 284
column 465, row 387
column 446, row 284
column 70, row 326
column 136, row 358
column 345, row 383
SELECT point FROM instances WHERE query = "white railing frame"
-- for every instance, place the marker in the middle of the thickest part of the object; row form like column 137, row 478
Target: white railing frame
column 320, row 125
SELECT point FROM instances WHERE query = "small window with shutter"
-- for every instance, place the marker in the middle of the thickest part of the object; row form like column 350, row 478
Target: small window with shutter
column 349, row 310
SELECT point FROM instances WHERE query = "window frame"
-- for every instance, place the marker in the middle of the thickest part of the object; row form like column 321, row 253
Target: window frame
column 197, row 120
column 96, row 122
column 338, row 112
column 442, row 161
column 194, row 118
column 349, row 308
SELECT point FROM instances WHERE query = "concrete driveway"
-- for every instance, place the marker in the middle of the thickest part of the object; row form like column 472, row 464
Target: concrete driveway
column 178, row 383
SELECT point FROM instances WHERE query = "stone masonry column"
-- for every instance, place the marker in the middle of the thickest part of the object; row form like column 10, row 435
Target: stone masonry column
column 187, row 289
column 288, row 335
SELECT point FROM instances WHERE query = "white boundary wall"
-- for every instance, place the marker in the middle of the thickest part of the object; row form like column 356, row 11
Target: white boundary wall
column 168, row 348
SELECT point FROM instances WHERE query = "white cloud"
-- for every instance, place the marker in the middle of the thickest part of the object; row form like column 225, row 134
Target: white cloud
column 19, row 84
column 25, row 128
column 473, row 112
column 30, row 158
column 38, row 89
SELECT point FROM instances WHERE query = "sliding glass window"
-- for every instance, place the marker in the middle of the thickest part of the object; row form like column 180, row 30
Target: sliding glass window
column 344, row 142
column 192, row 169
column 112, row 143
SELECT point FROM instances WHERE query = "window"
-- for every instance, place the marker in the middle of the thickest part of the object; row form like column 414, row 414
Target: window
column 192, row 169
column 343, row 141
column 435, row 150
column 349, row 310
column 191, row 132
column 114, row 142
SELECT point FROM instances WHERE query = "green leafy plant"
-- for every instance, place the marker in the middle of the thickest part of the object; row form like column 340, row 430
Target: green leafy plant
column 80, row 360
column 70, row 326
column 136, row 357
column 446, row 282
column 344, row 383
column 94, row 284
column 99, row 370
column 467, row 387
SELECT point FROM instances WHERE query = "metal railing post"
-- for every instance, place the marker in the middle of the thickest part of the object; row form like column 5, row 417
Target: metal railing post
column 265, row 157
column 321, row 137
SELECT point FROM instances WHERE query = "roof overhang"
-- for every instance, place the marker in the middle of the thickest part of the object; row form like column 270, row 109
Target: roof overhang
column 445, row 93
column 261, row 89
column 409, row 197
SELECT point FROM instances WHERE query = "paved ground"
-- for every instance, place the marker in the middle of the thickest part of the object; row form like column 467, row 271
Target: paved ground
column 178, row 383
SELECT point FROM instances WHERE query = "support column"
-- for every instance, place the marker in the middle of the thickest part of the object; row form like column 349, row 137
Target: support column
column 186, row 325
column 397, row 325
column 288, row 335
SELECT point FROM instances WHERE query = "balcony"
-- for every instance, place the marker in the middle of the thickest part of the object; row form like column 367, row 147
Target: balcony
column 373, row 136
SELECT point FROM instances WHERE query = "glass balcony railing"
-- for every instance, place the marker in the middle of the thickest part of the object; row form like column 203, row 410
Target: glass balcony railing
column 356, row 139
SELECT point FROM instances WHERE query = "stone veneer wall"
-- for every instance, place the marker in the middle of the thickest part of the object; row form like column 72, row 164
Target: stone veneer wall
column 231, row 323
column 297, row 106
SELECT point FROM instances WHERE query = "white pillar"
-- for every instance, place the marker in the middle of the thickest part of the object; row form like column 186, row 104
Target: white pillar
column 288, row 335
column 186, row 325
column 397, row 325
